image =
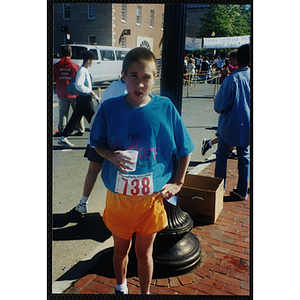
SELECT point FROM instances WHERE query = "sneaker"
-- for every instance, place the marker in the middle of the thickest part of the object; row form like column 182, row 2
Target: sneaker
column 232, row 154
column 120, row 293
column 237, row 194
column 81, row 208
column 206, row 144
column 65, row 142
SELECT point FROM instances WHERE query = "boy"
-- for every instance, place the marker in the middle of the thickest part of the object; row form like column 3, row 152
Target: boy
column 84, row 103
column 151, row 125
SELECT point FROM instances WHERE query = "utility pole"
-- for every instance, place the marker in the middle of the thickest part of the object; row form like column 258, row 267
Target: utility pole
column 173, row 53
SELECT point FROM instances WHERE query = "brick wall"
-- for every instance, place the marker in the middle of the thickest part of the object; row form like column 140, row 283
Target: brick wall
column 108, row 26
column 143, row 31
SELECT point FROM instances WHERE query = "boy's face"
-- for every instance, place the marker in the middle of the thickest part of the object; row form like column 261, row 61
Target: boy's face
column 90, row 62
column 139, row 81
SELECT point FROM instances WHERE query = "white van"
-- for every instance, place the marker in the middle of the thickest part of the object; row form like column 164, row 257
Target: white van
column 108, row 63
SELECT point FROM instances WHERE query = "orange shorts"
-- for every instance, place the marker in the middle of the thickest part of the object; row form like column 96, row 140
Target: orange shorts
column 123, row 215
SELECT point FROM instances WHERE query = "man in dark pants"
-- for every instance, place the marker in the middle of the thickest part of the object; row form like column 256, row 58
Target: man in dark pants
column 84, row 103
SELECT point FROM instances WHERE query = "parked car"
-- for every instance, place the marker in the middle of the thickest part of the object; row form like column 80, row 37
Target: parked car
column 108, row 63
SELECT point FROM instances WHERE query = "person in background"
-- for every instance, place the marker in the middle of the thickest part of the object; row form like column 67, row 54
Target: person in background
column 233, row 104
column 205, row 69
column 224, row 70
column 191, row 70
column 115, row 89
column 84, row 103
column 63, row 72
column 233, row 65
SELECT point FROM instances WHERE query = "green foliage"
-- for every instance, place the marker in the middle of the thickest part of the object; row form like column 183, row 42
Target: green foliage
column 225, row 21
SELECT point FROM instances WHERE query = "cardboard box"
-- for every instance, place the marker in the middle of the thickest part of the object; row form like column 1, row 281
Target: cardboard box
column 202, row 197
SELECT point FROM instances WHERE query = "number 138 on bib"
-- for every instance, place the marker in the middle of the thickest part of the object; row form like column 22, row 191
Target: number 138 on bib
column 134, row 185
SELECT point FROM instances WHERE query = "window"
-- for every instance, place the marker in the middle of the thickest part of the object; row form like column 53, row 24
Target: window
column 107, row 55
column 92, row 11
column 66, row 11
column 139, row 15
column 92, row 39
column 151, row 18
column 145, row 44
column 162, row 21
column 123, row 42
column 124, row 13
column 77, row 52
column 121, row 54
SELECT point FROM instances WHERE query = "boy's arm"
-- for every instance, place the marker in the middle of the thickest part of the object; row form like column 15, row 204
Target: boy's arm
column 79, row 83
column 171, row 189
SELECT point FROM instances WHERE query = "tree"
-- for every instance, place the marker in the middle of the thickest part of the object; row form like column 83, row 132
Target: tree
column 225, row 21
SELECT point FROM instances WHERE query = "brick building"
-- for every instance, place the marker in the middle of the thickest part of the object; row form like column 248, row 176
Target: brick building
column 109, row 24
column 194, row 18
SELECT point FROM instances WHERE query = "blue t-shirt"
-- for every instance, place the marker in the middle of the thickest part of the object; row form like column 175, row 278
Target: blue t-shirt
column 155, row 130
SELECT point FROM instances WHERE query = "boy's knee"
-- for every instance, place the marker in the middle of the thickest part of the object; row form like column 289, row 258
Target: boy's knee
column 143, row 256
column 121, row 252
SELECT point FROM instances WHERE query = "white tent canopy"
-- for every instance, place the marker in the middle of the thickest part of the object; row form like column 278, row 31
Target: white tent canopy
column 225, row 42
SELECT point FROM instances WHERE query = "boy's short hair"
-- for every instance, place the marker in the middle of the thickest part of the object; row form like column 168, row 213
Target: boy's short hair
column 243, row 55
column 232, row 54
column 88, row 55
column 66, row 50
column 139, row 54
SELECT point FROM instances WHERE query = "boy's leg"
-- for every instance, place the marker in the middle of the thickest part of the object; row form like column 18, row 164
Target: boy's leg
column 214, row 141
column 221, row 161
column 80, row 126
column 64, row 105
column 144, row 250
column 244, row 170
column 91, row 176
column 88, row 109
column 90, row 179
column 75, row 118
column 120, row 258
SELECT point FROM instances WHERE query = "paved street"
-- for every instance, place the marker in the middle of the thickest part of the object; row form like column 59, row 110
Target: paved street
column 76, row 239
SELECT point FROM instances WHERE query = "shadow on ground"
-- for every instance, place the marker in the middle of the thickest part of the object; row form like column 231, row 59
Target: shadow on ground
column 87, row 226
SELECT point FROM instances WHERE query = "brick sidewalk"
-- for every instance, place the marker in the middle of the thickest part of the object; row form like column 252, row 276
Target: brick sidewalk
column 225, row 257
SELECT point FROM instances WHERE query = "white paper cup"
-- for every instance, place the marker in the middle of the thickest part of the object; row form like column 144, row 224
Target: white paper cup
column 133, row 154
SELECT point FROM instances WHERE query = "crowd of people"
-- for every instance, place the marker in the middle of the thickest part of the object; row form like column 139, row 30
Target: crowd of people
column 152, row 126
column 200, row 68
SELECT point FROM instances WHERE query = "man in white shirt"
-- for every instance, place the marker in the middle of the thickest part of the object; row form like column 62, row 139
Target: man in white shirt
column 84, row 103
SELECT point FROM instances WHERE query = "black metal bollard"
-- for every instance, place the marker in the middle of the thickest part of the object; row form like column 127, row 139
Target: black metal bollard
column 176, row 250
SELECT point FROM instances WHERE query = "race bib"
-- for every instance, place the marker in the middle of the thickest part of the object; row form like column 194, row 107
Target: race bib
column 134, row 185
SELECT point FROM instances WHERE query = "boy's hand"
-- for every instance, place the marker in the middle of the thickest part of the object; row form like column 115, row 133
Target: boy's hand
column 93, row 94
column 120, row 160
column 170, row 190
